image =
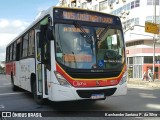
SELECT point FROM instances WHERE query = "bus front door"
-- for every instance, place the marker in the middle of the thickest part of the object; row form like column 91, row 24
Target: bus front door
column 41, row 75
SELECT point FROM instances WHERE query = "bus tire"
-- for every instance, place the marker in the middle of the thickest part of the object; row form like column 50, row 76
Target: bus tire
column 38, row 98
column 14, row 87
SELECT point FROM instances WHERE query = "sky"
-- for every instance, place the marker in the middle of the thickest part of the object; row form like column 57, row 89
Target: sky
column 16, row 15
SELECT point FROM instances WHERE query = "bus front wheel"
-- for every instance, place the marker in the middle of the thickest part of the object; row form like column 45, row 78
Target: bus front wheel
column 38, row 98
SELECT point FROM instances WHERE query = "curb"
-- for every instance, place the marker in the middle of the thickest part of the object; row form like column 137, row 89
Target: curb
column 155, row 84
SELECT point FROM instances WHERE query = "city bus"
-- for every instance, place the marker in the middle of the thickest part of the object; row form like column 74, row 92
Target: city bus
column 69, row 54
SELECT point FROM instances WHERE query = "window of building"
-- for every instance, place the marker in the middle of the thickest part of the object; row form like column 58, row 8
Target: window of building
column 141, row 42
column 95, row 7
column 73, row 4
column 25, row 46
column 132, row 4
column 130, row 60
column 31, row 43
column 148, row 59
column 118, row 10
column 84, row 5
column 124, row 7
column 151, row 2
column 110, row 1
column 128, row 6
column 157, row 19
column 132, row 20
column 136, row 21
column 151, row 18
column 137, row 3
column 103, row 5
column 128, row 22
column 113, row 12
column 121, row 8
column 157, row 2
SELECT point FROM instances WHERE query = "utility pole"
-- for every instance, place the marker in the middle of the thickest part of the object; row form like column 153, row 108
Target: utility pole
column 154, row 39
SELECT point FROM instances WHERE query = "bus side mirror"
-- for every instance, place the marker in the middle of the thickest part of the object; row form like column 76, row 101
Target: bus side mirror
column 50, row 33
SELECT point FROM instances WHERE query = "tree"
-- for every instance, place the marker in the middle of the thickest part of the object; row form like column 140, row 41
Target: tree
column 2, row 69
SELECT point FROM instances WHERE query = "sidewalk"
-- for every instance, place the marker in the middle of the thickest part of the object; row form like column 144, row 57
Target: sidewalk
column 155, row 84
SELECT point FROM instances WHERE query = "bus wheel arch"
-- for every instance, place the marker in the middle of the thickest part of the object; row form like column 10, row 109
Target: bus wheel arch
column 14, row 87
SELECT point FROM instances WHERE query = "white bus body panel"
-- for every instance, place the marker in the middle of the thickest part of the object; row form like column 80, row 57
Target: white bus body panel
column 17, row 74
column 23, row 70
column 61, row 93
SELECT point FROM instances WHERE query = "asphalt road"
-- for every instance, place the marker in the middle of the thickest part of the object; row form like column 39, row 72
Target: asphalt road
column 138, row 98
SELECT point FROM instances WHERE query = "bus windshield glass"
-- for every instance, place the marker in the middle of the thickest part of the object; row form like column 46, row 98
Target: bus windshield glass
column 88, row 47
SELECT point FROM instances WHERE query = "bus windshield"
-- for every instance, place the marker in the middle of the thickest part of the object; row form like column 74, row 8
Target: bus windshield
column 88, row 47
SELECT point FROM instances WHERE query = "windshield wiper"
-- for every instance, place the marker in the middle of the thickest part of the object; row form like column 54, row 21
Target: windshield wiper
column 103, row 32
column 83, row 33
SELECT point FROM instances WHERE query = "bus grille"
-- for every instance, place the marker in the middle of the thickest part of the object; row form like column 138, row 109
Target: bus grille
column 88, row 93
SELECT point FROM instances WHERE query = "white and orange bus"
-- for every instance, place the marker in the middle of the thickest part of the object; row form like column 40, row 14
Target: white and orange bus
column 69, row 54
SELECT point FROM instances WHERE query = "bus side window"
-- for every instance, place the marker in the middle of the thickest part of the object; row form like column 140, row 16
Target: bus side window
column 31, row 43
column 14, row 50
column 38, row 47
column 25, row 46
column 18, row 49
column 7, row 54
column 11, row 52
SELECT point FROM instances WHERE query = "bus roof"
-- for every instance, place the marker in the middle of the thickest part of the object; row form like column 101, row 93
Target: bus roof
column 83, row 10
column 43, row 14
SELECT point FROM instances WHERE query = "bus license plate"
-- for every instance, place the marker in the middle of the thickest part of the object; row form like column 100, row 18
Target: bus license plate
column 97, row 96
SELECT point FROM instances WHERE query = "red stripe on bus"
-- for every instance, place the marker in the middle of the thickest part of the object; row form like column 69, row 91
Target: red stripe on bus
column 11, row 68
column 97, row 82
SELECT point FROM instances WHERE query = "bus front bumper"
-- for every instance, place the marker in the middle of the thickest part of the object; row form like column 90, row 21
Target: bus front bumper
column 61, row 93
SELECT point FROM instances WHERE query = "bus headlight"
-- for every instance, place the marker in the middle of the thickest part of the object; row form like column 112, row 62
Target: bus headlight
column 124, row 79
column 62, row 81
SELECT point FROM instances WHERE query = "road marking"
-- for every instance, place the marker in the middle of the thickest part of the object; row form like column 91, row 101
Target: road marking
column 154, row 106
column 11, row 93
column 7, row 84
column 2, row 86
column 145, row 95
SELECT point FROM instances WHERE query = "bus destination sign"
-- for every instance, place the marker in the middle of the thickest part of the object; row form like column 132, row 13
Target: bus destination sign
column 86, row 17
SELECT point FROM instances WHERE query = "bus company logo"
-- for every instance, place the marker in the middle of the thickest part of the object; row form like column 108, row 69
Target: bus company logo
column 79, row 83
column 113, row 82
column 97, row 82
column 6, row 114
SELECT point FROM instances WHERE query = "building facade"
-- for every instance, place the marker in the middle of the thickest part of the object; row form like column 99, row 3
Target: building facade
column 133, row 14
